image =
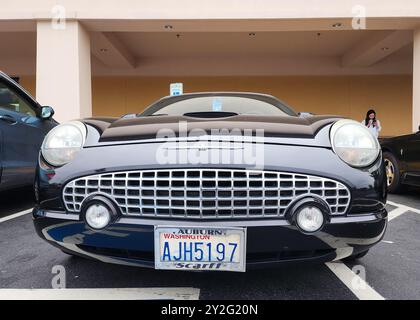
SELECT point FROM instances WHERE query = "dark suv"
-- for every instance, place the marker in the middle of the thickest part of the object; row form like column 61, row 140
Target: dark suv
column 23, row 125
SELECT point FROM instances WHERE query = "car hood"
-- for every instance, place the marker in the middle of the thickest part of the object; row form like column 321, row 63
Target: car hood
column 148, row 127
column 116, row 131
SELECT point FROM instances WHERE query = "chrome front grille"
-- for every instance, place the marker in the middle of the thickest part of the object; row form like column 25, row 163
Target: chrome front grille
column 205, row 193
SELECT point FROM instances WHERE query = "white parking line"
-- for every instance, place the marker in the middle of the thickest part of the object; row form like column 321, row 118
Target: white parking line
column 101, row 294
column 399, row 205
column 15, row 215
column 360, row 288
column 396, row 213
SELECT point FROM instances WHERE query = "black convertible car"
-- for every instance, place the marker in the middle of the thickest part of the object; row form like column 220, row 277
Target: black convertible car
column 212, row 181
column 23, row 126
column 402, row 161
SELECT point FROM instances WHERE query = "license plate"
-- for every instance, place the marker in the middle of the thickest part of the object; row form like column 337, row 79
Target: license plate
column 200, row 248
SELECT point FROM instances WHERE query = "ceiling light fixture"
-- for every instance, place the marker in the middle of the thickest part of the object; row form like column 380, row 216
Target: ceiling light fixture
column 251, row 34
column 169, row 27
column 337, row 25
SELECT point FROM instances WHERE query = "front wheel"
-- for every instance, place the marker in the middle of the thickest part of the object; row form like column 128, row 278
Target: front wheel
column 393, row 176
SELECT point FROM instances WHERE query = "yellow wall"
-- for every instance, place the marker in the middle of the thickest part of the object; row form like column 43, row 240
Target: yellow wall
column 350, row 96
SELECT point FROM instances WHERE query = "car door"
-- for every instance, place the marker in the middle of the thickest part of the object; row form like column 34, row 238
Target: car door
column 22, row 133
column 411, row 156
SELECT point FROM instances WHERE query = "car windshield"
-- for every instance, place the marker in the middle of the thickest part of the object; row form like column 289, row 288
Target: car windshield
column 260, row 105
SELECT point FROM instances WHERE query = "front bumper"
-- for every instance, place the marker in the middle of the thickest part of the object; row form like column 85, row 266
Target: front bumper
column 130, row 241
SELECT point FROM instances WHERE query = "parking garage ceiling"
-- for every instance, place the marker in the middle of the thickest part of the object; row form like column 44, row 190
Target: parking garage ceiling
column 229, row 53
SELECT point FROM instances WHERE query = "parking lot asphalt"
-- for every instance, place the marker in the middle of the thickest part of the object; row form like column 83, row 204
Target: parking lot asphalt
column 391, row 270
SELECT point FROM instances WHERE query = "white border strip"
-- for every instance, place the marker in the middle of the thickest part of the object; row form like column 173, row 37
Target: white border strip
column 396, row 213
column 363, row 291
column 101, row 294
column 15, row 215
column 403, row 206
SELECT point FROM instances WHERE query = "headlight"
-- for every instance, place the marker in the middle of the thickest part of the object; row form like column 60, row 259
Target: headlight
column 354, row 144
column 62, row 143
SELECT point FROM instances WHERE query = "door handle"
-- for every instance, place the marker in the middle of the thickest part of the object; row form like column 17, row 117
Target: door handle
column 8, row 119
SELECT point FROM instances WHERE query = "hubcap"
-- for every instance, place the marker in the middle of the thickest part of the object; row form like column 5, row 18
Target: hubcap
column 390, row 172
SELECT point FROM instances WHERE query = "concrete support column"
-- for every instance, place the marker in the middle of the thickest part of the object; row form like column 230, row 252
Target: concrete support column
column 416, row 81
column 63, row 70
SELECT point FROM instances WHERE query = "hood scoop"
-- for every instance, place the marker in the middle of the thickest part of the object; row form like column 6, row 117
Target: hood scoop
column 210, row 114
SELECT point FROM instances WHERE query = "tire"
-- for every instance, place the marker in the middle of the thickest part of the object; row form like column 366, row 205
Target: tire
column 356, row 256
column 392, row 172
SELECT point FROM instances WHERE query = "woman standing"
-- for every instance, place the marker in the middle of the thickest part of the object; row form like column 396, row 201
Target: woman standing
column 372, row 123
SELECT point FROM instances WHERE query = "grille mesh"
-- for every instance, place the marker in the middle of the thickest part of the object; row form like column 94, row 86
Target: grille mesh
column 205, row 193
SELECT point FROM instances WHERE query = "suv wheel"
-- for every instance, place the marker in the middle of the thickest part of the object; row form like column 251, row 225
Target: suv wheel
column 393, row 176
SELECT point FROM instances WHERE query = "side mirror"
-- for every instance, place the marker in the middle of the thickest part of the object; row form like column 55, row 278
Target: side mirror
column 47, row 112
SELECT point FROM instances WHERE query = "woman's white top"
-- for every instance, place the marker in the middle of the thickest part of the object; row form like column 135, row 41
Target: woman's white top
column 374, row 130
